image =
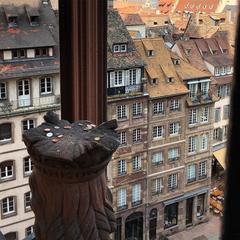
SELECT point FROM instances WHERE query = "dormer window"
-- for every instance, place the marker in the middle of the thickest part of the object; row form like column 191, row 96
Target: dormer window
column 154, row 81
column 150, row 53
column 188, row 51
column 214, row 52
column 12, row 21
column 170, row 79
column 176, row 61
column 41, row 52
column 224, row 50
column 117, row 48
column 11, row 15
column 33, row 16
column 34, row 20
column 18, row 53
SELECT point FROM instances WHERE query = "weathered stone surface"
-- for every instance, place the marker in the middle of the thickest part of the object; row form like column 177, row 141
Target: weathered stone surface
column 70, row 198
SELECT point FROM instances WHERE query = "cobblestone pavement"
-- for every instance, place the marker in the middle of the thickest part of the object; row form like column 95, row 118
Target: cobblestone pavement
column 211, row 230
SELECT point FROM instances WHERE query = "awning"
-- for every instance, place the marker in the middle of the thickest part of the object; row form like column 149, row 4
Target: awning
column 220, row 155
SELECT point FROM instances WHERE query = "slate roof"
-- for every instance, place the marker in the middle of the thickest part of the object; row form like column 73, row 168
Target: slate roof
column 117, row 34
column 160, row 66
column 46, row 34
column 132, row 19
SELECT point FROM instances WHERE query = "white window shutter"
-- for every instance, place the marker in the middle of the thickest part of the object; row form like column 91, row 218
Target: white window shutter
column 112, row 76
column 127, row 75
column 138, row 73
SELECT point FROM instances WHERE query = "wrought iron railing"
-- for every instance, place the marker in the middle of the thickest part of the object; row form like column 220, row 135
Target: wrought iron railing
column 8, row 107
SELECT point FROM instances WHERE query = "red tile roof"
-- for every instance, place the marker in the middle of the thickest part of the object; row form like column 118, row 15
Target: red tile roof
column 165, row 6
column 207, row 6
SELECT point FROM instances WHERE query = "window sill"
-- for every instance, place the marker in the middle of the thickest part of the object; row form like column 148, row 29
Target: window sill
column 172, row 189
column 170, row 227
column 28, row 209
column 192, row 153
column 156, row 193
column 204, row 177
column 137, row 142
column 3, row 142
column 122, row 119
column 124, row 207
column 8, row 215
column 122, row 174
column 158, row 114
column 134, row 204
column 173, row 160
column 174, row 135
column 122, row 146
column 190, row 181
column 203, row 150
column 137, row 170
column 157, row 164
column 193, row 125
column 27, row 174
column 7, row 179
column 157, row 138
column 137, row 116
column 46, row 94
column 174, row 110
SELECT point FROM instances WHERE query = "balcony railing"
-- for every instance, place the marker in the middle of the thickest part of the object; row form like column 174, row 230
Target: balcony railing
column 125, row 90
column 22, row 105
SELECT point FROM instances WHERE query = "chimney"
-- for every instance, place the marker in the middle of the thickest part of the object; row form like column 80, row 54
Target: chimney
column 197, row 18
column 110, row 4
column 228, row 16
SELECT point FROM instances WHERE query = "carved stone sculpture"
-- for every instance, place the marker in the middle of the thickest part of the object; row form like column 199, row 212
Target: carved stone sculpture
column 70, row 197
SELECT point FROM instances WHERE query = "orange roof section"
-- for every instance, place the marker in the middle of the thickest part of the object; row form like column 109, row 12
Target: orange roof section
column 160, row 67
column 206, row 6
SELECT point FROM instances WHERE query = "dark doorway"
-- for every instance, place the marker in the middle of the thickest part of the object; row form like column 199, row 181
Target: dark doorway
column 153, row 224
column 118, row 232
column 134, row 227
column 189, row 211
column 11, row 236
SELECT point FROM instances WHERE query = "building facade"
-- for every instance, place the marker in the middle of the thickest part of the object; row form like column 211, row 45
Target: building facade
column 159, row 186
column 213, row 55
column 127, row 102
column 29, row 86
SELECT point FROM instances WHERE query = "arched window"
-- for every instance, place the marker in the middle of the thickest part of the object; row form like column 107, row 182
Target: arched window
column 153, row 224
column 5, row 132
column 6, row 170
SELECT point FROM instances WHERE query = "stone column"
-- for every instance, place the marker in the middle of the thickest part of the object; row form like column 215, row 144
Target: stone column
column 70, row 198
